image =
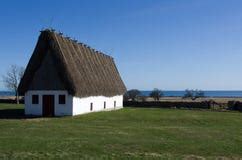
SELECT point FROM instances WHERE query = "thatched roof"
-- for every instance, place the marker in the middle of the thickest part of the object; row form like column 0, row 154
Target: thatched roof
column 83, row 71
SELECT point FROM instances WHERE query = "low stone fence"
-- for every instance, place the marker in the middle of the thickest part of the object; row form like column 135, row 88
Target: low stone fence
column 168, row 104
column 12, row 101
column 235, row 105
column 162, row 104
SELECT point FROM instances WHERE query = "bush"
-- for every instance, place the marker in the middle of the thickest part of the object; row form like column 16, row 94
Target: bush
column 156, row 94
column 131, row 94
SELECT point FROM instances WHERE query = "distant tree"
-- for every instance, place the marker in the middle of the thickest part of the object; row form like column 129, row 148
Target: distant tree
column 193, row 94
column 199, row 94
column 156, row 94
column 188, row 93
column 132, row 94
column 12, row 78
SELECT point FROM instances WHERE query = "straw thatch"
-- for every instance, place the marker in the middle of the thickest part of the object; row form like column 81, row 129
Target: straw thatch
column 59, row 63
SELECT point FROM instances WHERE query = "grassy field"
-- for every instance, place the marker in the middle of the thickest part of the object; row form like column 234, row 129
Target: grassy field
column 128, row 133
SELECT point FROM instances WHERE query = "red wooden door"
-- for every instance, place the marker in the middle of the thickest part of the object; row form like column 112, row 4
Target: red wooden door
column 48, row 105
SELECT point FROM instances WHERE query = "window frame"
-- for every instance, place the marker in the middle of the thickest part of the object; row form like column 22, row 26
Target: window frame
column 62, row 99
column 35, row 99
column 91, row 106
column 104, row 105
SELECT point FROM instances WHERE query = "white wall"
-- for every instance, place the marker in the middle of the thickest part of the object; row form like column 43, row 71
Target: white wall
column 73, row 106
column 36, row 109
column 82, row 105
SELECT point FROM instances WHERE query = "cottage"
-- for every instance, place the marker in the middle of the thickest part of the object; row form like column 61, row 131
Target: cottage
column 64, row 77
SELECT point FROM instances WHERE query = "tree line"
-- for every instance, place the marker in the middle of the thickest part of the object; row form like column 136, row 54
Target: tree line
column 157, row 94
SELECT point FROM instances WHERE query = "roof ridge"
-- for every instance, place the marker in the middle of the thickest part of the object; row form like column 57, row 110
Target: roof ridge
column 52, row 30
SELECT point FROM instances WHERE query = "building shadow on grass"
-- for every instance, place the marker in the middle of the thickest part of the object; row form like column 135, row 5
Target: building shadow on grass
column 17, row 114
column 12, row 114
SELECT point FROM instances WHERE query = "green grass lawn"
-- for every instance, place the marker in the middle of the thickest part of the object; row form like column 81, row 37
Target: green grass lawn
column 131, row 133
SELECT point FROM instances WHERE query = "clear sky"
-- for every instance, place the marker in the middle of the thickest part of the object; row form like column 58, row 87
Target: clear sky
column 167, row 44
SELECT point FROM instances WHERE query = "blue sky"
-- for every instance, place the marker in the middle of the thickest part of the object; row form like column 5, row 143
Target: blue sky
column 166, row 44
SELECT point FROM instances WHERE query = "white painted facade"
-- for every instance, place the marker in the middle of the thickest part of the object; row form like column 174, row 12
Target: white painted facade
column 83, row 105
column 73, row 105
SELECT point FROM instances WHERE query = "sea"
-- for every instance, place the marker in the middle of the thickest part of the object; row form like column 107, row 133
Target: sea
column 6, row 93
column 171, row 93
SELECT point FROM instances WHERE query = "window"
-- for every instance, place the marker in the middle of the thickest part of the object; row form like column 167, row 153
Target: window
column 114, row 104
column 35, row 99
column 62, row 99
column 104, row 105
column 91, row 106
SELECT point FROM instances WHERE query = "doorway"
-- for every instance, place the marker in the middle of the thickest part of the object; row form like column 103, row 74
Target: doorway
column 48, row 105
